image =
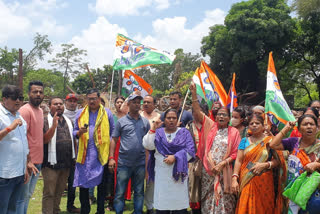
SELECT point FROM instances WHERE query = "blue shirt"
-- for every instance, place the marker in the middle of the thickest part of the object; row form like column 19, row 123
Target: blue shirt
column 131, row 132
column 185, row 118
column 244, row 143
column 13, row 147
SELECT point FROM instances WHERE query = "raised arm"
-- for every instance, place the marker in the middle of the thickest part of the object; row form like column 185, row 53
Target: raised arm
column 197, row 113
column 276, row 141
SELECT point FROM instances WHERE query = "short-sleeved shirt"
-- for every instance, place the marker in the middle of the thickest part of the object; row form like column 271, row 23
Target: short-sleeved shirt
column 244, row 143
column 13, row 147
column 34, row 118
column 131, row 132
column 185, row 118
column 63, row 146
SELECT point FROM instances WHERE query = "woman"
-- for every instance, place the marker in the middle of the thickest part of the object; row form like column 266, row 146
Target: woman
column 117, row 104
column 253, row 176
column 217, row 150
column 238, row 121
column 309, row 110
column 170, row 148
column 304, row 151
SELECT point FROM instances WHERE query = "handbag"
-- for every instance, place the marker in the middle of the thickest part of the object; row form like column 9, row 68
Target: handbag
column 313, row 205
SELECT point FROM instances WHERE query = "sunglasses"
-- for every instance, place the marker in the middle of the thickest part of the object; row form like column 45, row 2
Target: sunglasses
column 15, row 97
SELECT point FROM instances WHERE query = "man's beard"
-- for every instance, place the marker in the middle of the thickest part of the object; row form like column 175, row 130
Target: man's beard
column 35, row 102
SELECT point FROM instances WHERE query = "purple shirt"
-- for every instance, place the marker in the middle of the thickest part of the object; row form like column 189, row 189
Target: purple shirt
column 90, row 173
column 290, row 143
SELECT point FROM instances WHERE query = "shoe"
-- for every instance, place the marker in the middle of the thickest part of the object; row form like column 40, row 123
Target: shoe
column 73, row 209
column 92, row 199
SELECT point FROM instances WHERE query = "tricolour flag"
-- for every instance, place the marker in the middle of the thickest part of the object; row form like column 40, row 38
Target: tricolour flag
column 204, row 89
column 219, row 93
column 132, row 82
column 130, row 55
column 232, row 100
column 276, row 107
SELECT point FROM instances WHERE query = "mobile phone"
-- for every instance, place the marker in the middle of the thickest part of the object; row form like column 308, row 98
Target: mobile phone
column 86, row 125
column 250, row 165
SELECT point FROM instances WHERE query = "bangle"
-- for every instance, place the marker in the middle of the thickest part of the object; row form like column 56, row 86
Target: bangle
column 8, row 130
column 111, row 157
column 235, row 175
column 269, row 162
column 152, row 131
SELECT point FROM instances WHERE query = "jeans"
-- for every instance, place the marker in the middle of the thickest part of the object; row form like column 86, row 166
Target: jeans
column 11, row 195
column 91, row 192
column 28, row 189
column 137, row 174
column 184, row 211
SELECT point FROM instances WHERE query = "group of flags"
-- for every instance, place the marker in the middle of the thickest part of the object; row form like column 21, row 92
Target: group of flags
column 131, row 55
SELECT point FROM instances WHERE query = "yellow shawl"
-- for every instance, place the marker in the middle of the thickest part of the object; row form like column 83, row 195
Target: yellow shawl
column 101, row 135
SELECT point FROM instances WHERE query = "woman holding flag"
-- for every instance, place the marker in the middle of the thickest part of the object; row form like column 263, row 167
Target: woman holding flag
column 217, row 150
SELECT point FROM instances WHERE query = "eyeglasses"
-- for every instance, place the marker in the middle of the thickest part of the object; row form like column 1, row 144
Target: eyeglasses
column 15, row 97
column 222, row 114
column 92, row 98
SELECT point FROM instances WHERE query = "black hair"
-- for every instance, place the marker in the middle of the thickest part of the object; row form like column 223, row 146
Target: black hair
column 258, row 117
column 102, row 100
column 204, row 108
column 226, row 109
column 313, row 101
column 119, row 97
column 315, row 111
column 92, row 91
column 36, row 82
column 305, row 116
column 52, row 98
column 154, row 99
column 170, row 110
column 11, row 90
column 241, row 111
column 176, row 92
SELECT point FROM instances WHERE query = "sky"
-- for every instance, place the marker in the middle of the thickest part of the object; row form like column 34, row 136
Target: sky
column 93, row 25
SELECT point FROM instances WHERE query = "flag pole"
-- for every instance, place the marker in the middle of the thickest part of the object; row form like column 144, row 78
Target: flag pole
column 184, row 103
column 111, row 89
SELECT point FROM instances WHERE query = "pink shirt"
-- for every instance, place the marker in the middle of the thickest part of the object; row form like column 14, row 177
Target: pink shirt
column 34, row 118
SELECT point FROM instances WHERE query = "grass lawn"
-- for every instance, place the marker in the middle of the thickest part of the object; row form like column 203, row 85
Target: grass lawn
column 35, row 204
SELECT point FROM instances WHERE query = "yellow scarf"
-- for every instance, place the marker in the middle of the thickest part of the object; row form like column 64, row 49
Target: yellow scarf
column 101, row 135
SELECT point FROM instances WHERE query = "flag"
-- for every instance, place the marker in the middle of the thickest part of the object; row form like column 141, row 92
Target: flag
column 219, row 93
column 132, row 82
column 130, row 55
column 276, row 107
column 232, row 100
column 204, row 89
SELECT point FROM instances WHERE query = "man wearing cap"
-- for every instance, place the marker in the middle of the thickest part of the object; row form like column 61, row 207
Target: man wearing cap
column 71, row 111
column 131, row 162
column 93, row 127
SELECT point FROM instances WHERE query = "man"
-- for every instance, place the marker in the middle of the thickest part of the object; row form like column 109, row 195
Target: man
column 93, row 127
column 131, row 161
column 33, row 115
column 175, row 102
column 71, row 111
column 215, row 108
column 149, row 103
column 58, row 155
column 13, row 151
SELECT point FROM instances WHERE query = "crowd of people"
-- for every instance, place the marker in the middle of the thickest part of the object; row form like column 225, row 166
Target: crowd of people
column 205, row 160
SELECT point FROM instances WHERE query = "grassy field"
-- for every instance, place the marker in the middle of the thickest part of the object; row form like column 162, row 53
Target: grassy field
column 36, row 202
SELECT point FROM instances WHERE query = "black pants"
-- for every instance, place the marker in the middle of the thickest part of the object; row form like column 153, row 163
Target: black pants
column 71, row 189
column 84, row 195
column 184, row 211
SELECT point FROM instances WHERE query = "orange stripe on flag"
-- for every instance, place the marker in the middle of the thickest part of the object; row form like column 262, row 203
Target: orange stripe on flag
column 271, row 66
column 141, row 81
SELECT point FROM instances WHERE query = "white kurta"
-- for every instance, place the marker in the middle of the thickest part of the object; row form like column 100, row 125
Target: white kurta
column 169, row 194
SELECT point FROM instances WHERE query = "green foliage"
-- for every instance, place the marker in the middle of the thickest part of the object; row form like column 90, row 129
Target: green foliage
column 252, row 29
column 52, row 81
column 8, row 66
column 305, row 7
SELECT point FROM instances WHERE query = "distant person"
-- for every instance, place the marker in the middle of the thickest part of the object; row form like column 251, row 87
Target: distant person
column 59, row 155
column 33, row 115
column 175, row 103
column 13, row 151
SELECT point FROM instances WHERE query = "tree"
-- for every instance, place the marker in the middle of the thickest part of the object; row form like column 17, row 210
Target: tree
column 252, row 29
column 8, row 65
column 305, row 7
column 70, row 59
column 52, row 81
